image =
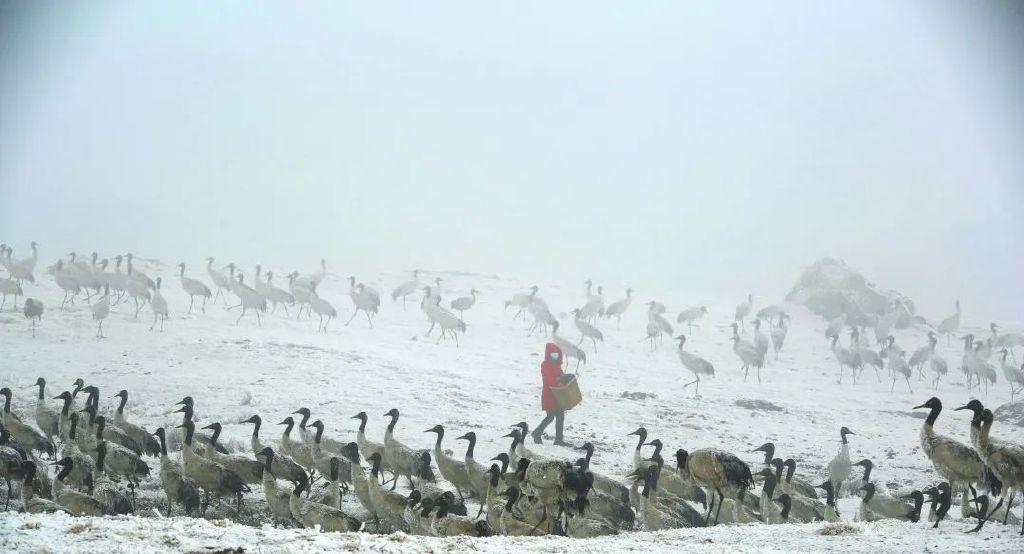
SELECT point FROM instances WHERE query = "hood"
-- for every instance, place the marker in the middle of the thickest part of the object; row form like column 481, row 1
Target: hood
column 553, row 354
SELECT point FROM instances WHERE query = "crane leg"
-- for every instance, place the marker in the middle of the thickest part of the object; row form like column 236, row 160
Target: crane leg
column 240, row 316
column 908, row 386
column 191, row 300
column 259, row 320
column 721, row 500
column 204, row 304
column 356, row 312
column 369, row 319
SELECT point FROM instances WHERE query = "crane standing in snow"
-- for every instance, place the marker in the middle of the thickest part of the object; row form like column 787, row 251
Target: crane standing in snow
column 619, row 307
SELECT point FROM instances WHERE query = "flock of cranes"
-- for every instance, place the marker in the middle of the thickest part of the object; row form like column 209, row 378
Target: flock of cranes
column 107, row 282
column 102, row 459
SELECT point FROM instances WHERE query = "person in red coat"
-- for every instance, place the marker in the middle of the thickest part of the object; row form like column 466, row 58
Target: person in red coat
column 550, row 372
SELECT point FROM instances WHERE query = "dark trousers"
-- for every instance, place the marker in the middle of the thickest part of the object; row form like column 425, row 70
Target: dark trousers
column 559, row 417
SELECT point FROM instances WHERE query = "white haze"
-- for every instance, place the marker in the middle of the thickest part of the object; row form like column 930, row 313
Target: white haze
column 707, row 147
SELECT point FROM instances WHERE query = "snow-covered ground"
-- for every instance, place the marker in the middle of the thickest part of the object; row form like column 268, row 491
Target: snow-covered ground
column 487, row 383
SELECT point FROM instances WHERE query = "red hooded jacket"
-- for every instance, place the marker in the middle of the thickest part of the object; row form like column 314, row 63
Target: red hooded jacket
column 550, row 371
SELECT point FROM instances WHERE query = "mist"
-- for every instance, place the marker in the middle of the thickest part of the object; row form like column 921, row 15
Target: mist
column 717, row 148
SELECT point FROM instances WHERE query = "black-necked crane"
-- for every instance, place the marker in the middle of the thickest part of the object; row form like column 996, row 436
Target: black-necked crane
column 936, row 362
column 920, row 356
column 138, row 274
column 1005, row 340
column 117, row 279
column 587, row 331
column 886, row 321
column 257, row 282
column 276, row 295
column 742, row 310
column 1004, row 458
column 618, row 308
column 956, row 462
column 1014, row 375
column 22, row 270
column 538, row 308
column 250, row 300
column 697, row 365
column 323, row 309
column 137, row 290
column 568, row 348
column 840, row 466
column 950, row 325
column 445, row 320
column 219, row 280
column 898, row 365
column 300, row 291
column 521, row 301
column 10, row 287
column 319, row 276
column 594, row 306
column 691, row 315
column 779, row 332
column 34, row 312
column 721, row 473
column 464, row 303
column 66, row 280
column 405, row 289
column 846, row 357
column 747, row 353
column 984, row 369
column 865, row 356
column 761, row 340
column 159, row 306
column 363, row 302
column 100, row 311
column 193, row 288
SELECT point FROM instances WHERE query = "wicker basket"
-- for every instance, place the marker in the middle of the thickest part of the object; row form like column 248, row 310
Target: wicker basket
column 568, row 396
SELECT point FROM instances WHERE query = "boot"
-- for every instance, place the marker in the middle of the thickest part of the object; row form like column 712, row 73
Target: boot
column 536, row 437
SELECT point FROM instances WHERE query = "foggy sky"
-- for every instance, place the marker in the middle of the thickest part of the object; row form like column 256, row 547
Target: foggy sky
column 714, row 147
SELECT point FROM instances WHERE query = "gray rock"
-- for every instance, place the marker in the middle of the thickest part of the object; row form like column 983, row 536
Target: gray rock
column 762, row 405
column 638, row 395
column 830, row 288
column 1011, row 412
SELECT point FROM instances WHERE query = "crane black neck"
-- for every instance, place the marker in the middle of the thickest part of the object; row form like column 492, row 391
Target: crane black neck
column 101, row 456
column 120, row 407
column 64, row 471
column 42, row 385
column 643, row 438
column 933, row 414
column 163, row 444
column 769, row 485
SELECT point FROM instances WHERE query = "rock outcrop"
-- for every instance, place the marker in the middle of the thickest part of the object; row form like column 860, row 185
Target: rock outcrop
column 831, row 288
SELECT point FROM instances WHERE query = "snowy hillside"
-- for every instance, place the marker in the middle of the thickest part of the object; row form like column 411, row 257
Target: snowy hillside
column 490, row 381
